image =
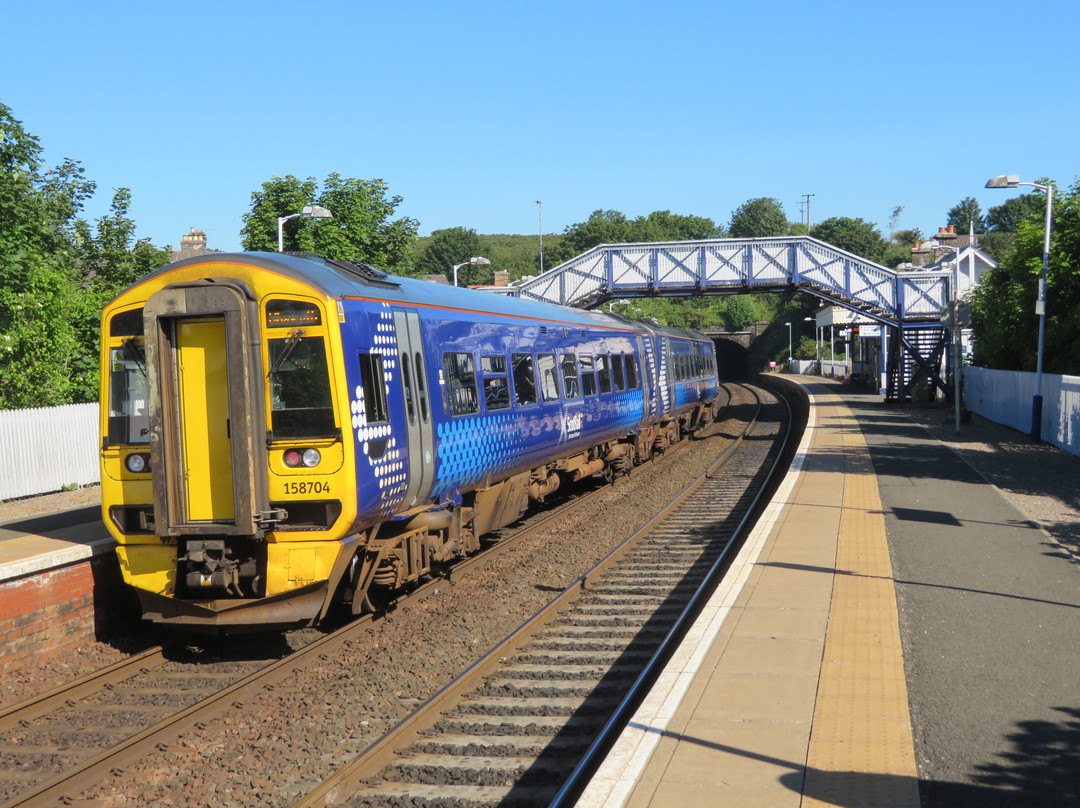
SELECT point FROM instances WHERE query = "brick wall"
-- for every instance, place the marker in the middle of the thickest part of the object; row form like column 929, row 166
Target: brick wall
column 45, row 613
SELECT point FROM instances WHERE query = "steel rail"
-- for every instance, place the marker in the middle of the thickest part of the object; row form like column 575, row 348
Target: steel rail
column 383, row 751
column 43, row 703
column 70, row 783
column 573, row 786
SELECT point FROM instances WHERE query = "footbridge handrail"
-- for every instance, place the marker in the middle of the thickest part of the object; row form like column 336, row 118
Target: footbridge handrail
column 739, row 266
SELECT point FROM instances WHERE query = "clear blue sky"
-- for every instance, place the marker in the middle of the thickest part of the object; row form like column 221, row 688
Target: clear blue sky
column 472, row 111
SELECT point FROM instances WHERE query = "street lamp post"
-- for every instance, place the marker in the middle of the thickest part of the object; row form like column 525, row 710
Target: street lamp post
column 477, row 260
column 540, row 214
column 309, row 212
column 1013, row 181
column 788, row 345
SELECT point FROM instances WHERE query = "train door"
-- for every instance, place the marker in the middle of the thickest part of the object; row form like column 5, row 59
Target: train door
column 666, row 380
column 645, row 377
column 202, row 389
column 415, row 388
column 206, row 419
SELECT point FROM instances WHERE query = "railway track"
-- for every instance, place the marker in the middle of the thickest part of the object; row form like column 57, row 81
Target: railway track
column 55, row 746
column 512, row 729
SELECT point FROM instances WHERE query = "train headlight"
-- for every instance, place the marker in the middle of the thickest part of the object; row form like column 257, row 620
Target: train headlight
column 312, row 458
column 137, row 463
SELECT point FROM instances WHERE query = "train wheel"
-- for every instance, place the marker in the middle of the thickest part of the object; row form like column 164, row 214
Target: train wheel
column 375, row 599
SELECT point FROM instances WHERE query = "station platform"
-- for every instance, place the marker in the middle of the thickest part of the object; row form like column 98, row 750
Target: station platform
column 893, row 633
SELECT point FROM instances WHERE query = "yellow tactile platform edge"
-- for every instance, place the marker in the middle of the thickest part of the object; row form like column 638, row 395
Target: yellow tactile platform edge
column 861, row 749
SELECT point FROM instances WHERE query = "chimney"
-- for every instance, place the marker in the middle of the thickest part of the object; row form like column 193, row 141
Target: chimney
column 502, row 278
column 194, row 243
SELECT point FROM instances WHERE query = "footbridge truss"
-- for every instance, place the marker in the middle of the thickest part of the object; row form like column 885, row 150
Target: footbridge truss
column 902, row 300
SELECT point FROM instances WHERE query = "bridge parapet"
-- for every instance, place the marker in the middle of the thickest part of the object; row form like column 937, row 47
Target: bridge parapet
column 738, row 266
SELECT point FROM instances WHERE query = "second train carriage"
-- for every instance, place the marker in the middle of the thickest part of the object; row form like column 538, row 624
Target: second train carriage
column 278, row 430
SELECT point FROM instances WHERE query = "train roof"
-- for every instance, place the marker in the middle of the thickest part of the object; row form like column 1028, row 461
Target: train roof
column 343, row 279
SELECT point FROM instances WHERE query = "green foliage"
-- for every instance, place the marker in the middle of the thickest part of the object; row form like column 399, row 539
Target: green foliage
column 758, row 218
column 854, row 235
column 361, row 228
column 451, row 246
column 996, row 243
column 56, row 272
column 1008, row 216
column 1003, row 306
column 907, row 238
column 612, row 227
column 963, row 213
column 38, row 281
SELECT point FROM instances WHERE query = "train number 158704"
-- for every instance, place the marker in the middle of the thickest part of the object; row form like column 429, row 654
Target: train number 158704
column 306, row 487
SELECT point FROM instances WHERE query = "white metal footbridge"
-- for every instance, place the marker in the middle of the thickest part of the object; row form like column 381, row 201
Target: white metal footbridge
column 741, row 266
column 911, row 302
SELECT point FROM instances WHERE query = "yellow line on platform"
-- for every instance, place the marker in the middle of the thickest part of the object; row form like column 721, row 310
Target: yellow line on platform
column 861, row 749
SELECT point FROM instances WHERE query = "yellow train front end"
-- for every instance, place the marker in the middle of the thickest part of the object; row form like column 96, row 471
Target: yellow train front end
column 225, row 477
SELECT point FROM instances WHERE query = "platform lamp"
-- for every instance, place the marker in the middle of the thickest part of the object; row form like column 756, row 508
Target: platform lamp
column 1013, row 181
column 789, row 356
column 309, row 212
column 477, row 260
column 808, row 320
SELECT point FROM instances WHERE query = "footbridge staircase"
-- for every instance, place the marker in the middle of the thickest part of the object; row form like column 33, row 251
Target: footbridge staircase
column 912, row 304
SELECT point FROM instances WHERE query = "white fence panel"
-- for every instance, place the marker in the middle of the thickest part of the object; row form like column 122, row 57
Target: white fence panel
column 46, row 449
column 1004, row 396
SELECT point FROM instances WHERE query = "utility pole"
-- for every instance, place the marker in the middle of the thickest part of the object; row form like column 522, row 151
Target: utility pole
column 807, row 197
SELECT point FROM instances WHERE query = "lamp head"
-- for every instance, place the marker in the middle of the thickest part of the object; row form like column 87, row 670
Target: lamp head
column 1004, row 181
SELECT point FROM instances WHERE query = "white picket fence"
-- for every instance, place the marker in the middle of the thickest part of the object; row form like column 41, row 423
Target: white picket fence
column 47, row 449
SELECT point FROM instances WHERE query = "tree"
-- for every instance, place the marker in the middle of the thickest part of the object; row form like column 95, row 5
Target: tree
column 451, row 246
column 963, row 213
column 613, row 227
column 663, row 225
column 602, row 227
column 38, row 278
column 361, row 228
column 758, row 218
column 1007, row 217
column 853, row 235
column 55, row 273
column 1003, row 315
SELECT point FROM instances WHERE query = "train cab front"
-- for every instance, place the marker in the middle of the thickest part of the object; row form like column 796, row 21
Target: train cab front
column 222, row 455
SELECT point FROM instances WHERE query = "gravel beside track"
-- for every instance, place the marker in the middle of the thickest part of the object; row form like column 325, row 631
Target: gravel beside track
column 277, row 746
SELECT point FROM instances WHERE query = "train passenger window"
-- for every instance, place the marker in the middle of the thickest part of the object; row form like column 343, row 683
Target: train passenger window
column 603, row 372
column 631, row 373
column 496, row 385
column 617, row 372
column 373, row 388
column 588, row 376
column 129, row 421
column 407, row 389
column 420, row 388
column 496, row 393
column 569, row 375
column 461, row 395
column 300, row 401
column 549, row 378
column 524, row 379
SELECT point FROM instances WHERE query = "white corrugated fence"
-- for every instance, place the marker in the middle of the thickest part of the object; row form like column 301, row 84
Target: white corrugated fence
column 47, row 449
column 1004, row 396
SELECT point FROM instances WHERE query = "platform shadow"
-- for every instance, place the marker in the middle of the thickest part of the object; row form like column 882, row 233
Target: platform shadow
column 1039, row 770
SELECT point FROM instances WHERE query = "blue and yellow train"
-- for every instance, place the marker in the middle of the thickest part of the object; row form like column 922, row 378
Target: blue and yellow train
column 282, row 432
